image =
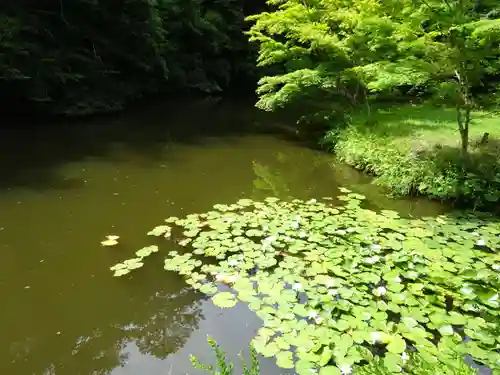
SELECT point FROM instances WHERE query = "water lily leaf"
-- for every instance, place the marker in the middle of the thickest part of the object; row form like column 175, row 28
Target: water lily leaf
column 304, row 367
column 224, row 300
column 329, row 280
column 446, row 330
column 121, row 272
column 146, row 251
column 160, row 230
column 208, row 288
column 397, row 345
column 393, row 362
column 329, row 370
column 244, row 202
column 109, row 242
column 326, row 356
column 285, row 360
column 133, row 264
column 300, row 310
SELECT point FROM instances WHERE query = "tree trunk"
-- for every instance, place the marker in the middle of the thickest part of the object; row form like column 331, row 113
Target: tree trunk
column 464, row 111
column 463, row 120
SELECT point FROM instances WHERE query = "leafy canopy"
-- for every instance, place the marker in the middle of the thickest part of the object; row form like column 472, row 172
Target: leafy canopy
column 336, row 286
column 347, row 48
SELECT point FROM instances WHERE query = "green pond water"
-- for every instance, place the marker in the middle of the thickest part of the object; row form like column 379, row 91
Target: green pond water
column 64, row 186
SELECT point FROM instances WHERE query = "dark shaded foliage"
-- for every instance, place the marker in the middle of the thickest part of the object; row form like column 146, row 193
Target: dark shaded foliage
column 86, row 56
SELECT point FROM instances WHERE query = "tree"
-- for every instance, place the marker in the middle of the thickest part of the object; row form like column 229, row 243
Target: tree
column 85, row 56
column 348, row 47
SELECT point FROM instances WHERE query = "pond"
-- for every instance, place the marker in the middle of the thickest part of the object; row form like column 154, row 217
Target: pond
column 64, row 186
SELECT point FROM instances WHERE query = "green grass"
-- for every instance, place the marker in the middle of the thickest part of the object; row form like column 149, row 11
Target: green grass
column 415, row 150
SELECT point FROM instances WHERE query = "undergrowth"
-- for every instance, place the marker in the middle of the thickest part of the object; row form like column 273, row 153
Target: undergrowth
column 414, row 150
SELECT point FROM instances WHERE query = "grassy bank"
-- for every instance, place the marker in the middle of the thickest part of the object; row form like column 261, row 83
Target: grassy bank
column 414, row 150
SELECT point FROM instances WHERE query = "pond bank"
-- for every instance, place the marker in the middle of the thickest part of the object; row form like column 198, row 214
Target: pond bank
column 414, row 150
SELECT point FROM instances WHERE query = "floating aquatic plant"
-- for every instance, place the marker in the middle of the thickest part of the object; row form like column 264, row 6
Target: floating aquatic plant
column 110, row 240
column 337, row 285
column 128, row 265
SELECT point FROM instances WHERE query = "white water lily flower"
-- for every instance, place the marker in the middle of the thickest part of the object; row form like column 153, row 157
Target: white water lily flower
column 376, row 247
column 333, row 292
column 405, row 356
column 496, row 267
column 297, row 286
column 376, row 337
column 481, row 243
column 380, row 291
column 345, row 369
column 313, row 314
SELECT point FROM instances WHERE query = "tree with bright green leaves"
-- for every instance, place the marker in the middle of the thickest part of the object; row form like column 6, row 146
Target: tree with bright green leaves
column 345, row 50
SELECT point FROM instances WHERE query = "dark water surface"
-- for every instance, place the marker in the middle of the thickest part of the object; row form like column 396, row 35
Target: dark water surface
column 64, row 187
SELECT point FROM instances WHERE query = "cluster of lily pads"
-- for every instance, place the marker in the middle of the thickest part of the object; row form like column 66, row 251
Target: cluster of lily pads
column 128, row 265
column 336, row 286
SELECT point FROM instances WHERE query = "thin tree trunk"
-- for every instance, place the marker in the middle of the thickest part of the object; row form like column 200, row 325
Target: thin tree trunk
column 463, row 113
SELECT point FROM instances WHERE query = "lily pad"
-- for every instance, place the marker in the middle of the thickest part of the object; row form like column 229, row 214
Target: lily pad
column 224, row 300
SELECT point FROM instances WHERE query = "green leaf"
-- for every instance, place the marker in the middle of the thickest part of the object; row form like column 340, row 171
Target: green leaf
column 224, row 300
column 121, row 272
column 160, row 230
column 208, row 289
column 446, row 330
column 397, row 345
column 329, row 370
column 285, row 360
column 146, row 251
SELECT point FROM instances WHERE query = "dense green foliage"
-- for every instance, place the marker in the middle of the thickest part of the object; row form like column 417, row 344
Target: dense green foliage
column 84, row 56
column 416, row 364
column 412, row 150
column 337, row 286
column 348, row 51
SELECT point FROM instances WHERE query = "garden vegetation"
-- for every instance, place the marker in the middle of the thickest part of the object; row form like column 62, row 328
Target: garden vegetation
column 342, row 56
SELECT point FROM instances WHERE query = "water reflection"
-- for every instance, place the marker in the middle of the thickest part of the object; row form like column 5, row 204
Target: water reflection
column 157, row 325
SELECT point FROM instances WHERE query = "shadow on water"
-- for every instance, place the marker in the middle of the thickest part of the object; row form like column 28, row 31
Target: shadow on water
column 63, row 186
column 31, row 152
